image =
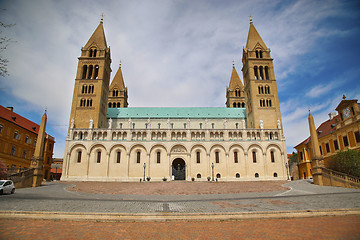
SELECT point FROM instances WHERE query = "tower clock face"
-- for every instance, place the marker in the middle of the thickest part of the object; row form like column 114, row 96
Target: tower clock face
column 346, row 112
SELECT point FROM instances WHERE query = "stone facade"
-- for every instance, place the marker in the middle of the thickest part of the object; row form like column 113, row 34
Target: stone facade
column 179, row 143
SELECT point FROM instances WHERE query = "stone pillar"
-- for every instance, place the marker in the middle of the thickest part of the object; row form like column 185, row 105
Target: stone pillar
column 317, row 159
column 38, row 159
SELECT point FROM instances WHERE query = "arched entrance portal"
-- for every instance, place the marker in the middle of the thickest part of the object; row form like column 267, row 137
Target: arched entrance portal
column 178, row 169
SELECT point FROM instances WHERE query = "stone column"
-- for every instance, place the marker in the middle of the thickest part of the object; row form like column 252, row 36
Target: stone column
column 317, row 159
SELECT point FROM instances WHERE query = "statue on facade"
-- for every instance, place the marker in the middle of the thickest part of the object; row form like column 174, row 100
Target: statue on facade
column 225, row 123
column 72, row 123
column 261, row 124
column 243, row 123
column 91, row 125
column 149, row 123
column 110, row 123
column 129, row 122
column 278, row 124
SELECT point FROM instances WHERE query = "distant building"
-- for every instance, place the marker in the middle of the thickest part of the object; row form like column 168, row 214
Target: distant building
column 339, row 132
column 109, row 141
column 18, row 140
column 56, row 168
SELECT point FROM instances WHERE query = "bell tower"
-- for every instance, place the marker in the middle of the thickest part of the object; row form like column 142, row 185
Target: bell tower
column 235, row 92
column 118, row 92
column 262, row 102
column 91, row 87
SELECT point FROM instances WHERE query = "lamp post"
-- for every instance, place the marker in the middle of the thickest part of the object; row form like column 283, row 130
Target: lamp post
column 212, row 166
column 144, row 171
column 287, row 170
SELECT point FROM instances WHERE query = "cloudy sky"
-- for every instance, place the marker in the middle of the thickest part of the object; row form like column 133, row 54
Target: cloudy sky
column 180, row 53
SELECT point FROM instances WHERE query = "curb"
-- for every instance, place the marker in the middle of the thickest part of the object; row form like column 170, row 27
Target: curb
column 158, row 217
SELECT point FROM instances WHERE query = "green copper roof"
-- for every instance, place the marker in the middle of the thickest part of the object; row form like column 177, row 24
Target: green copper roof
column 176, row 112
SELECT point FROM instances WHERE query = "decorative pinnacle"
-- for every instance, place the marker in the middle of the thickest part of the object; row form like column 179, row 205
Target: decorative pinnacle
column 102, row 17
column 233, row 63
column 344, row 97
column 120, row 64
column 250, row 16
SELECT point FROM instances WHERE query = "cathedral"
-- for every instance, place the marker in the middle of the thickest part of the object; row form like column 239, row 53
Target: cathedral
column 109, row 141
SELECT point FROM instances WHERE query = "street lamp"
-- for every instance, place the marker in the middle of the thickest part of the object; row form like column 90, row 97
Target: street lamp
column 212, row 166
column 287, row 170
column 144, row 171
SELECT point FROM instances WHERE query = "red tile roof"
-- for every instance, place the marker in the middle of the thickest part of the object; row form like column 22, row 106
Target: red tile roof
column 18, row 120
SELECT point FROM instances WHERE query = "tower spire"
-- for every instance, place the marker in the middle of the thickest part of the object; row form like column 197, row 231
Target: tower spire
column 254, row 37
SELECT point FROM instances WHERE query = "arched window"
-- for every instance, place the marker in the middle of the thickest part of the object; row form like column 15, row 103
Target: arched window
column 243, row 105
column 198, row 157
column 118, row 156
column 94, row 54
column 91, row 88
column 236, row 93
column 198, row 175
column 261, row 73
column 257, row 53
column 238, row 104
column 236, row 160
column 256, row 73
column 261, row 54
column 90, row 53
column 217, row 158
column 267, row 73
column 267, row 89
column 118, row 105
column 158, row 157
column 262, row 102
column 261, row 89
column 234, row 105
column 268, row 102
column 82, row 103
column 96, row 72
column 237, row 175
column 254, row 156
column 84, row 89
column 79, row 156
column 89, row 102
column 84, row 71
column 138, row 155
column 256, row 175
column 218, row 175
column 98, row 159
column 90, row 72
column 275, row 174
column 114, row 105
column 110, row 105
column 272, row 155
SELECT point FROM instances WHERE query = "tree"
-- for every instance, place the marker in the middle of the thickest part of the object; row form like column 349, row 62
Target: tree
column 3, row 172
column 347, row 162
column 4, row 43
column 293, row 159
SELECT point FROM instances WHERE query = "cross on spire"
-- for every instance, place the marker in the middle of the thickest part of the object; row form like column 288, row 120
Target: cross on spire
column 102, row 17
column 251, row 16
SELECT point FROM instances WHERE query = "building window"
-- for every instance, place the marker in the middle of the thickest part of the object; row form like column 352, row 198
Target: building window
column 236, row 125
column 197, row 157
column 198, row 175
column 327, row 146
column 79, row 156
column 200, row 125
column 256, row 175
column 24, row 154
column 336, row 145
column 272, row 155
column 237, row 175
column 159, row 125
column 158, row 157
column 218, row 175
column 120, row 125
column 138, row 155
column 91, row 89
column 184, row 125
column 267, row 72
column 84, row 71
column 133, row 125
column 118, row 156
column 1, row 128
column 346, row 142
column 13, row 149
column 275, row 174
column 27, row 139
column 301, row 156
column 357, row 136
column 236, row 160
column 98, row 157
column 321, row 152
column 217, row 158
column 254, row 156
column 171, row 125
column 16, row 135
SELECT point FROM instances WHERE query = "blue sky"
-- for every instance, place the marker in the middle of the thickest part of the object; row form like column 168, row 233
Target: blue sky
column 182, row 51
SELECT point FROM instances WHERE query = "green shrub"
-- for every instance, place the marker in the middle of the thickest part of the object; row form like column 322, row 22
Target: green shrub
column 346, row 162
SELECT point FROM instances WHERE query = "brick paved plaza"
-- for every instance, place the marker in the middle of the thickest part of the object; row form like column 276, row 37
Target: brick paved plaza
column 340, row 227
column 177, row 188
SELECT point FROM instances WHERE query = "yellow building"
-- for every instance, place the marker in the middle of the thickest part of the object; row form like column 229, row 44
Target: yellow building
column 340, row 132
column 18, row 140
